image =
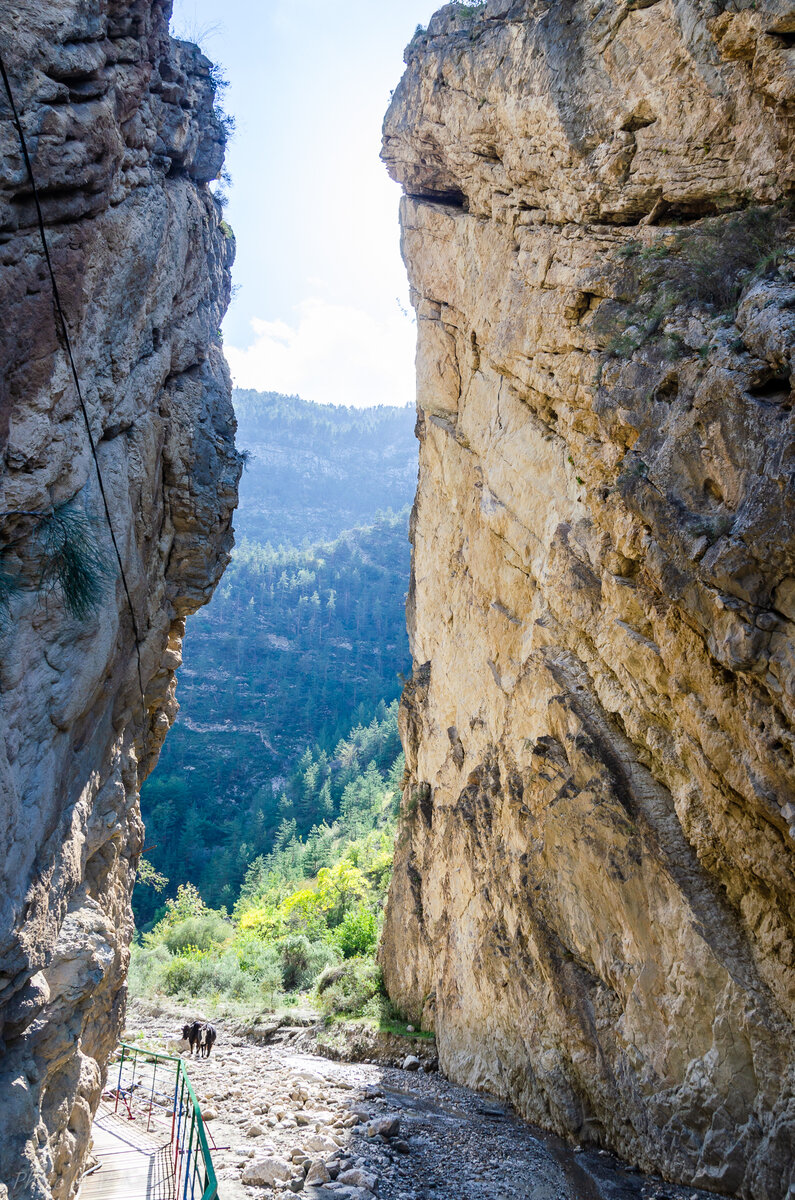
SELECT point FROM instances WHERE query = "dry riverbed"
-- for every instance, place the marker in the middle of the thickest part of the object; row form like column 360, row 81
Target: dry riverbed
column 290, row 1121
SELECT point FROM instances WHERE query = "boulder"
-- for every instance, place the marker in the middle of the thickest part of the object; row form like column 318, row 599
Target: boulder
column 267, row 1171
column 385, row 1127
column 318, row 1172
column 357, row 1177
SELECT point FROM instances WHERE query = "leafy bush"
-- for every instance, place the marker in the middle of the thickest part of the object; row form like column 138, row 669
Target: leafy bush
column 182, row 976
column 258, row 959
column 295, row 955
column 214, row 976
column 146, row 968
column 347, row 989
column 302, row 961
column 357, row 934
column 204, row 932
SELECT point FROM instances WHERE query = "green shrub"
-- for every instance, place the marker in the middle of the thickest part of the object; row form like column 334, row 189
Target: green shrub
column 260, row 961
column 348, row 988
column 256, row 958
column 146, row 969
column 357, row 934
column 181, row 976
column 204, row 932
column 212, row 976
column 303, row 961
column 224, row 976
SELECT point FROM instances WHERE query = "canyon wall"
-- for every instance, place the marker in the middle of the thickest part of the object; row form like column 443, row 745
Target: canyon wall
column 124, row 137
column 593, row 894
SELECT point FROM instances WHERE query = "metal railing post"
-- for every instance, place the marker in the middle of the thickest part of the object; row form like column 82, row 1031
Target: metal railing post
column 190, row 1143
column 195, row 1171
column 130, row 1116
column 151, row 1095
column 174, row 1106
column 118, row 1085
column 180, row 1130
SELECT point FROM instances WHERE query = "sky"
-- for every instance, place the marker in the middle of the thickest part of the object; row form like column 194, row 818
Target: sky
column 320, row 305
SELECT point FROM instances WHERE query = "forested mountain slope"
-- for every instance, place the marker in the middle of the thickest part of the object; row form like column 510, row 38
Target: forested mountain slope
column 304, row 641
column 318, row 469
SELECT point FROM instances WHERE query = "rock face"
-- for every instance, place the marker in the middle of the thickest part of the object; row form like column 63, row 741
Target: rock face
column 123, row 138
column 593, row 901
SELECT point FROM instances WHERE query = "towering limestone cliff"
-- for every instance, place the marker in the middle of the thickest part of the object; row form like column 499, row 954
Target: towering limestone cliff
column 123, row 138
column 593, row 897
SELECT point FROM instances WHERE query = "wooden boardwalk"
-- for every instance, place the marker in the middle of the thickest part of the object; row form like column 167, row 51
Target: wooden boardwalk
column 135, row 1165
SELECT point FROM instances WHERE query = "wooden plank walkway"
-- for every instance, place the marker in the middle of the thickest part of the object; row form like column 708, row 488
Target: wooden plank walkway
column 135, row 1165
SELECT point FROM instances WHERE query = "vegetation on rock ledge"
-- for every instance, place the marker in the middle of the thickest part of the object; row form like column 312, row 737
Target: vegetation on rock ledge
column 709, row 264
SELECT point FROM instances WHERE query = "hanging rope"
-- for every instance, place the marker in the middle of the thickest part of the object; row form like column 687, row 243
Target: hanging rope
column 63, row 333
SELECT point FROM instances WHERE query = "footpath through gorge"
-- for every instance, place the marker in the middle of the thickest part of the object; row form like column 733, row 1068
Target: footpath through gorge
column 291, row 1121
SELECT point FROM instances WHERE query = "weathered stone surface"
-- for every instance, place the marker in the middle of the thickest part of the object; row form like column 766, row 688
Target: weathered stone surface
column 268, row 1170
column 593, row 903
column 386, row 1127
column 318, row 1173
column 123, row 138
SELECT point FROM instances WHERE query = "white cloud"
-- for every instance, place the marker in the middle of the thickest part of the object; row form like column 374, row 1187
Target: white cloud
column 334, row 354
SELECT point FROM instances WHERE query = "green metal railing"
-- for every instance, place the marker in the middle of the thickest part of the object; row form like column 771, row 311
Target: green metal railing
column 194, row 1174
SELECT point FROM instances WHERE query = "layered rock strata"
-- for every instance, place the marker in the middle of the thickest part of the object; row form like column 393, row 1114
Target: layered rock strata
column 593, row 896
column 124, row 139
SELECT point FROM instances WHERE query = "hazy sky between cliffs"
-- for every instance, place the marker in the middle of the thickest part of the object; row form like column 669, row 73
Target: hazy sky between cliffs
column 321, row 302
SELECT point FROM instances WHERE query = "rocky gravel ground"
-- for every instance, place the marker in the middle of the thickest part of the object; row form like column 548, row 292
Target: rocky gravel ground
column 287, row 1121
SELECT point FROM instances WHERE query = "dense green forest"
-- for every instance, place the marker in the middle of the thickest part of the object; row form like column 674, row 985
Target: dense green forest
column 298, row 655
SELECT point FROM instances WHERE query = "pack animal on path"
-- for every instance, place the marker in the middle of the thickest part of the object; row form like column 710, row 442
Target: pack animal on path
column 201, row 1036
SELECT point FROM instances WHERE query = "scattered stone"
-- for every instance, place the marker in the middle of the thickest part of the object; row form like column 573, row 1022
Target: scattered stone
column 358, row 1178
column 396, row 1145
column 385, row 1127
column 267, row 1171
column 411, row 1063
column 319, row 1143
column 318, row 1172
